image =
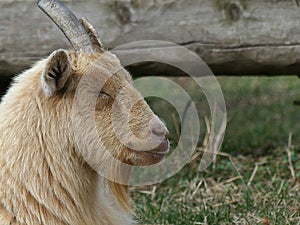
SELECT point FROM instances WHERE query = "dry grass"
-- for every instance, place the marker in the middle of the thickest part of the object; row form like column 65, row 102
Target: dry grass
column 240, row 190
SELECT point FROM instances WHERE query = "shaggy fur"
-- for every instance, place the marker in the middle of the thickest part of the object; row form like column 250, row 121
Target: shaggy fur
column 43, row 177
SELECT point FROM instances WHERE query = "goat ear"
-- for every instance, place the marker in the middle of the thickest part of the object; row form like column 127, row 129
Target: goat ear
column 94, row 36
column 56, row 72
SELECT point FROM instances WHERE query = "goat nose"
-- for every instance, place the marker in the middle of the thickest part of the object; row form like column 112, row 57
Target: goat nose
column 159, row 130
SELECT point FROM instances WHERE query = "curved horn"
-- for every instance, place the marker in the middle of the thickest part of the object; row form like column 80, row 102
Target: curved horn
column 68, row 23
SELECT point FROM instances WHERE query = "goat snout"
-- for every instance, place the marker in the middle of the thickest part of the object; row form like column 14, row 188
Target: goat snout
column 158, row 128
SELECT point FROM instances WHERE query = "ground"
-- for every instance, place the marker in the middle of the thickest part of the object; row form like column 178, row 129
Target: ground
column 256, row 177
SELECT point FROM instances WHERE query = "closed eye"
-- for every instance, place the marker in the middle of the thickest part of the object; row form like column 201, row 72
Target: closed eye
column 103, row 94
column 104, row 100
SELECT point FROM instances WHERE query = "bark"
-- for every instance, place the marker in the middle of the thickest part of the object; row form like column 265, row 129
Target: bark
column 234, row 37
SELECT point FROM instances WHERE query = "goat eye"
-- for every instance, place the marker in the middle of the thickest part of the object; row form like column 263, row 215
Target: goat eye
column 103, row 94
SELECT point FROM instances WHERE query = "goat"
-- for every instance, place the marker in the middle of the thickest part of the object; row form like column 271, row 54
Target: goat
column 44, row 177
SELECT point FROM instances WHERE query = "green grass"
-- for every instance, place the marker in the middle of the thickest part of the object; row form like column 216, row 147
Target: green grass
column 223, row 196
column 261, row 113
column 251, row 181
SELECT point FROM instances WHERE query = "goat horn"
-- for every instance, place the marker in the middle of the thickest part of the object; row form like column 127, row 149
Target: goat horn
column 91, row 31
column 68, row 23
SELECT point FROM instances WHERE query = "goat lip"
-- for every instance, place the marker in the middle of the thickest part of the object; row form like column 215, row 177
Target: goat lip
column 149, row 152
column 159, row 152
column 162, row 150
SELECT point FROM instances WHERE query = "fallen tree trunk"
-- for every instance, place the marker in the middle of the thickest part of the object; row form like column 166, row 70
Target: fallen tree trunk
column 234, row 37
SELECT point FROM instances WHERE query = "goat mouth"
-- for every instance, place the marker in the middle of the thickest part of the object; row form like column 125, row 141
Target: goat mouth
column 150, row 152
column 162, row 150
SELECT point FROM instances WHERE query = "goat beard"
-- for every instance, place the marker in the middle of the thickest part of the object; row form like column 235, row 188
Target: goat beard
column 121, row 192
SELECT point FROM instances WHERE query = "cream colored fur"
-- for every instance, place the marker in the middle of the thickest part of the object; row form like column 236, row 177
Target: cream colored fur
column 43, row 177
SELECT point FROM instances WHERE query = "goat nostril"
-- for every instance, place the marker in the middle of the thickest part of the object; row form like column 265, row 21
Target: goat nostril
column 160, row 130
column 167, row 133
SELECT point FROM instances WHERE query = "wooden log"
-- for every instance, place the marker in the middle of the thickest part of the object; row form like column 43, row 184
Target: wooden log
column 234, row 37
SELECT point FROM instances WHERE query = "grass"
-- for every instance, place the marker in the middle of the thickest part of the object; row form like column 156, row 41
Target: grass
column 264, row 106
column 229, row 194
column 255, row 179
